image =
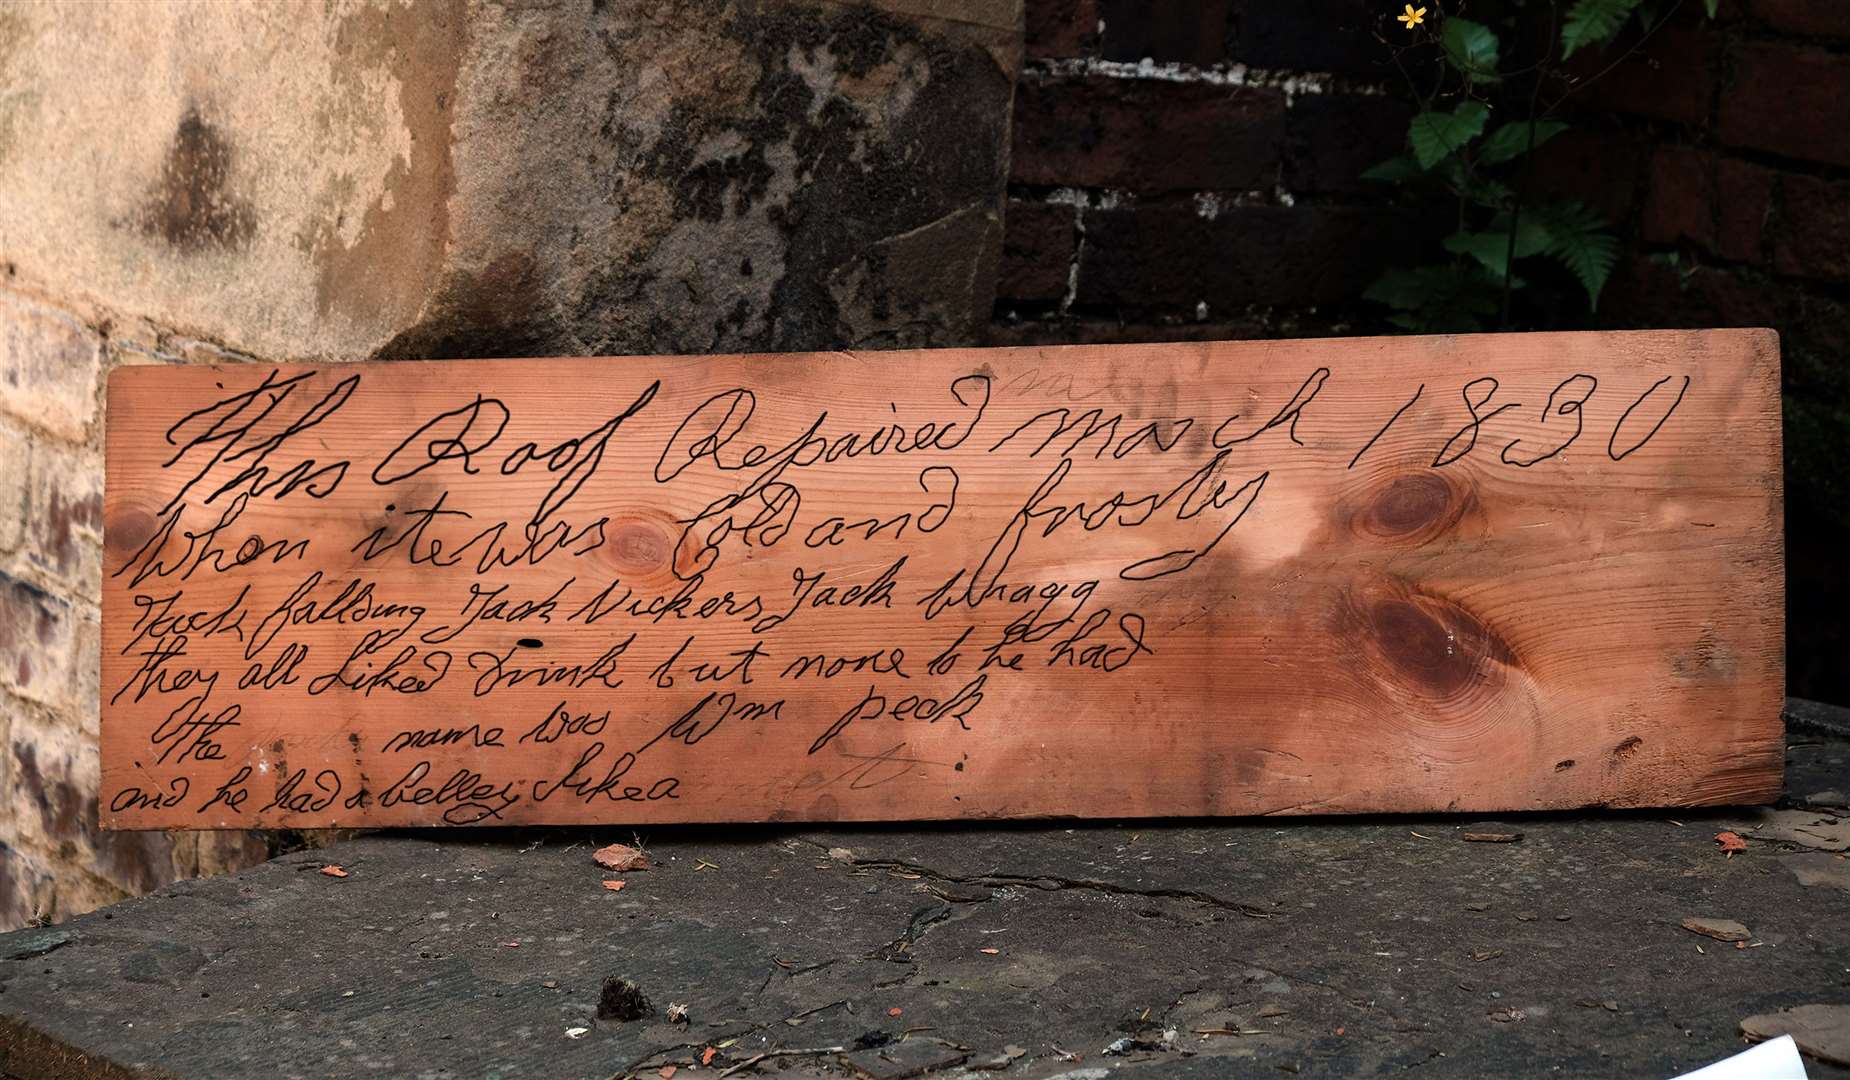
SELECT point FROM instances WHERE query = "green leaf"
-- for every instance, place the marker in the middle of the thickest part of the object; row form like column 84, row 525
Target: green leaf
column 1491, row 248
column 1710, row 7
column 1579, row 241
column 1593, row 22
column 1438, row 299
column 1511, row 140
column 1471, row 47
column 1486, row 191
column 1394, row 170
column 1437, row 135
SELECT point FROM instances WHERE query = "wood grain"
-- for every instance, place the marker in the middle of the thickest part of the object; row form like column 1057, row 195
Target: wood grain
column 1453, row 573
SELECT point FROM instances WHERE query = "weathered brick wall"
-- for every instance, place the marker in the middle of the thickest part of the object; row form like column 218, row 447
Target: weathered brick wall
column 1191, row 170
column 53, row 859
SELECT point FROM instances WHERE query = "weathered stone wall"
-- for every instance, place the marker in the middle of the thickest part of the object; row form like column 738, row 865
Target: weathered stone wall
column 202, row 182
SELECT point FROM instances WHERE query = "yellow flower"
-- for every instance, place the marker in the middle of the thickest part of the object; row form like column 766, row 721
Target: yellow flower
column 1413, row 17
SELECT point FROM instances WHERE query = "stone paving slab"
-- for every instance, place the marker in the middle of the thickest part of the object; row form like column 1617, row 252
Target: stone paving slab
column 1346, row 947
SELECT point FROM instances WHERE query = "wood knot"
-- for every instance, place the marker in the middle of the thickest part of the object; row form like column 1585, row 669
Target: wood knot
column 128, row 530
column 640, row 544
column 1431, row 647
column 1412, row 508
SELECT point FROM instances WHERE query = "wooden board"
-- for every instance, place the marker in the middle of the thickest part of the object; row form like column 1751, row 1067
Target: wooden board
column 1398, row 574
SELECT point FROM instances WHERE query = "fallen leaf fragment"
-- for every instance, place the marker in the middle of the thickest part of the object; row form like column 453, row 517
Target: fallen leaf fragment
column 333, row 871
column 1493, row 837
column 510, row 944
column 621, row 857
column 576, row 1033
column 989, row 952
column 1731, row 842
column 706, row 1056
column 677, row 1013
column 614, row 885
column 1506, row 1015
column 666, row 1072
column 1719, row 929
column 894, row 1011
column 841, row 854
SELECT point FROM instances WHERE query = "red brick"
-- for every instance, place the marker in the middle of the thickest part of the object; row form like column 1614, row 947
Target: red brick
column 1789, row 99
column 1037, row 251
column 1813, row 237
column 1647, row 292
column 1598, row 168
column 1331, row 139
column 1146, row 135
column 1672, row 77
column 1716, row 203
column 1818, row 18
column 1336, row 36
column 1170, row 257
column 1061, row 29
column 1183, row 31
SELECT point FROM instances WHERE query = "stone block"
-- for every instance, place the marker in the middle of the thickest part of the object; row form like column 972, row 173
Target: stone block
column 14, row 451
column 49, row 362
column 63, row 517
column 375, row 179
column 42, row 655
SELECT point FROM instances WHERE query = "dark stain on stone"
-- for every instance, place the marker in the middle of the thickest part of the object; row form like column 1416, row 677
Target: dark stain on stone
column 62, row 517
column 138, row 861
column 191, row 206
column 60, row 804
column 496, row 311
column 858, row 181
column 1564, row 765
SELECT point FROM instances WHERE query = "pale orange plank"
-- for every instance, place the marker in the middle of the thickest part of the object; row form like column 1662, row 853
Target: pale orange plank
column 1233, row 578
